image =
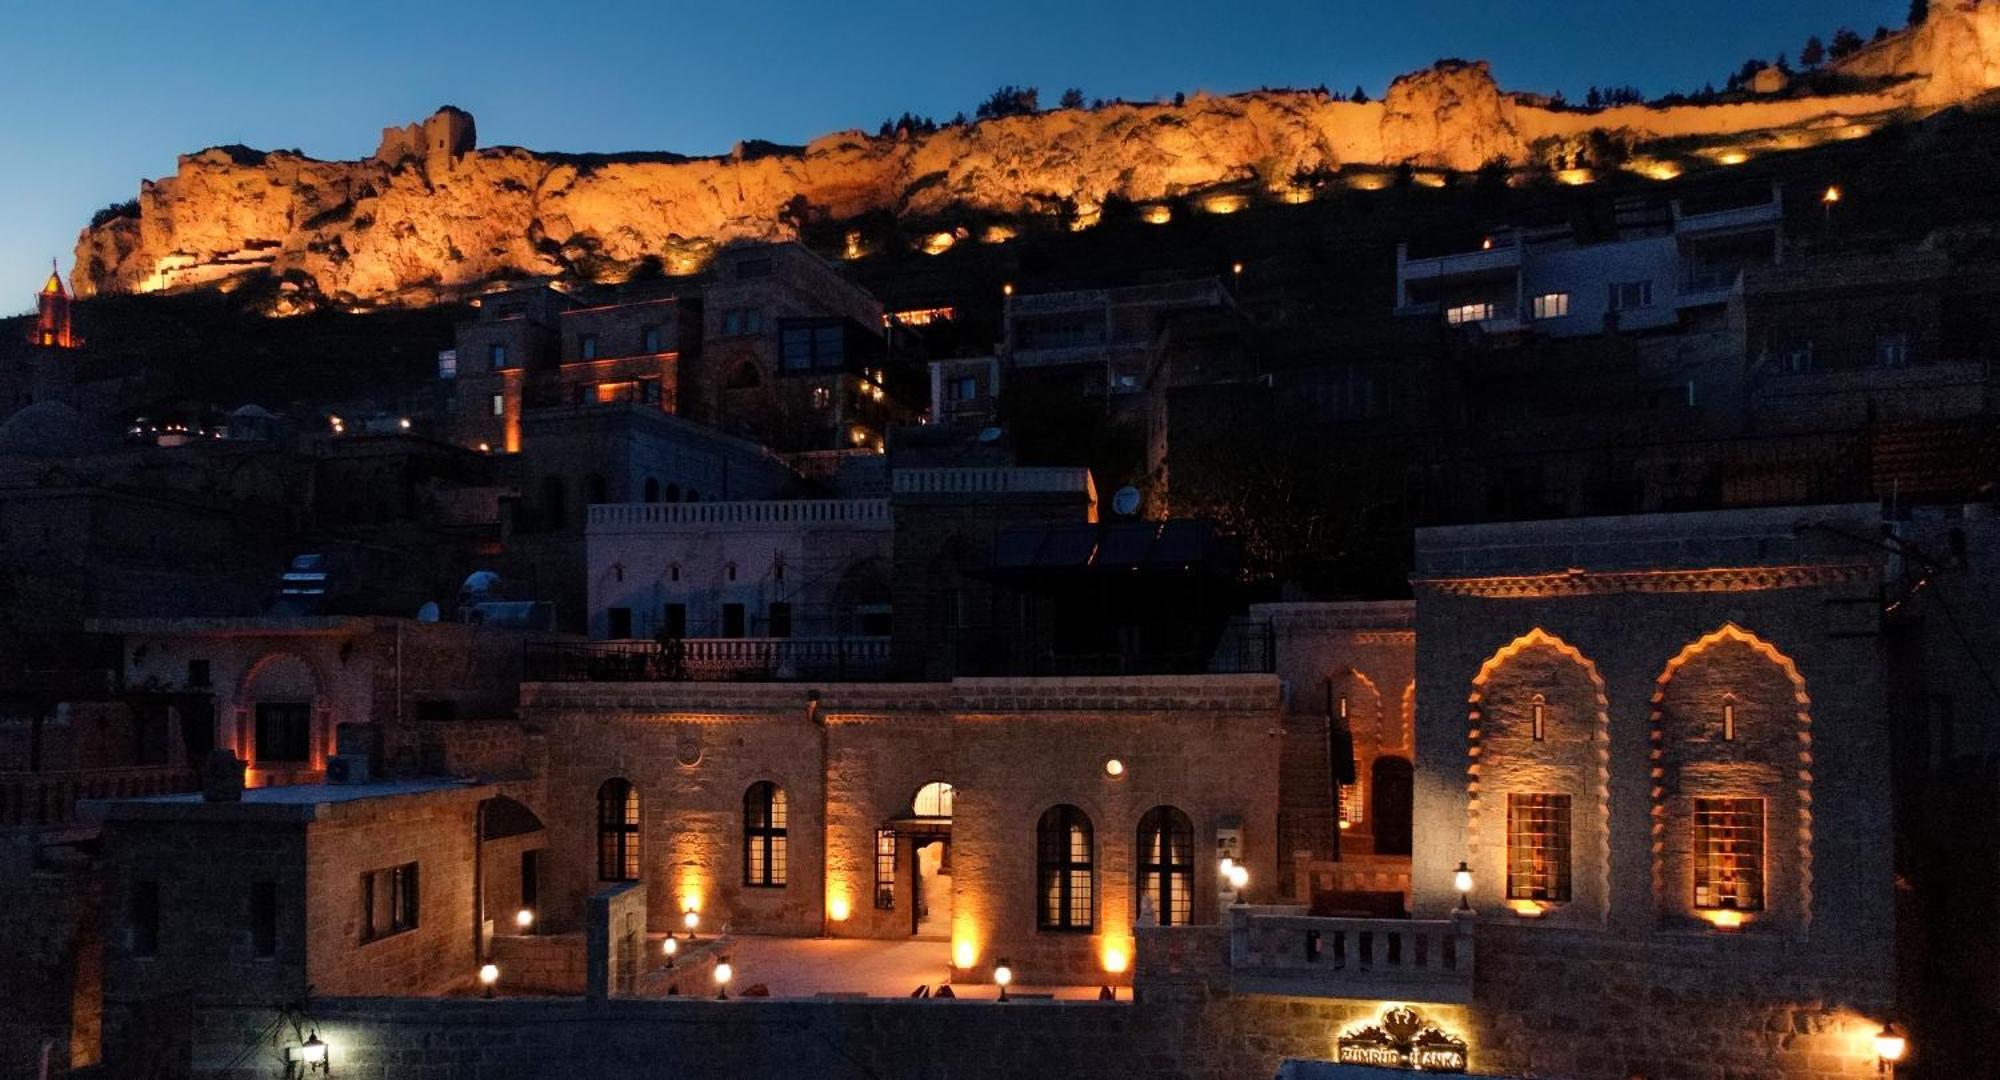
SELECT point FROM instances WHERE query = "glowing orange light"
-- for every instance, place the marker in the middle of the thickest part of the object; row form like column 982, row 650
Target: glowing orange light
column 1832, row 195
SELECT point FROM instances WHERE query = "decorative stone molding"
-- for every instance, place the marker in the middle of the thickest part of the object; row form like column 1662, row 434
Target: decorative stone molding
column 1599, row 583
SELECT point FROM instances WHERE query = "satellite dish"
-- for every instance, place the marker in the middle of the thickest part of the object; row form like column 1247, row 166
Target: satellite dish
column 988, row 435
column 1125, row 501
column 429, row 612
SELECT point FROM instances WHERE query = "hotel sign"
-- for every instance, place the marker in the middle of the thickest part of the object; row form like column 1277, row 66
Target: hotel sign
column 1402, row 1040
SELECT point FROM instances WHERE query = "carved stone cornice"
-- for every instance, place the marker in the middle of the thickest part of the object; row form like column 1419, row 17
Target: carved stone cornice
column 1598, row 583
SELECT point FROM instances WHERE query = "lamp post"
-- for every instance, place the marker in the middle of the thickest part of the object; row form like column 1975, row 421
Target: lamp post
column 668, row 947
column 1461, row 879
column 1003, row 973
column 524, row 919
column 488, row 975
column 723, row 973
column 691, row 920
column 1890, row 1046
column 1239, row 879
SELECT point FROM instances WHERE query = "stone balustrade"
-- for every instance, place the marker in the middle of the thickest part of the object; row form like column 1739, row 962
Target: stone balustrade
column 770, row 513
column 1276, row 950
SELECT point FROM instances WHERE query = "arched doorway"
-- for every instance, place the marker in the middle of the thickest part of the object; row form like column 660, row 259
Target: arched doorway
column 1392, row 804
column 927, row 830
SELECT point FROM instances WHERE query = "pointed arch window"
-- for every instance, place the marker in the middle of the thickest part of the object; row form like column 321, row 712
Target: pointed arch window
column 1166, row 864
column 764, row 834
column 617, row 831
column 1066, row 872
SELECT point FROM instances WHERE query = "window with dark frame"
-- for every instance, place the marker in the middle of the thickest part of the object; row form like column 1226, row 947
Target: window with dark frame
column 1065, row 873
column 1729, row 854
column 496, row 356
column 781, row 620
column 1538, row 831
column 284, row 732
column 764, row 831
column 885, row 869
column 674, row 621
column 619, row 623
column 1166, row 864
column 263, row 919
column 143, row 917
column 388, row 902
column 617, row 831
column 732, row 620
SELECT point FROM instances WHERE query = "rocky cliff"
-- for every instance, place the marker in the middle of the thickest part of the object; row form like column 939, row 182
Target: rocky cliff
column 429, row 214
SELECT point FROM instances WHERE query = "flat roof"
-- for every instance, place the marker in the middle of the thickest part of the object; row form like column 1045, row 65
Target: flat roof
column 282, row 802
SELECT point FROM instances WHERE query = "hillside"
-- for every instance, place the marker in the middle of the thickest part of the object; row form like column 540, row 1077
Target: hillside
column 430, row 215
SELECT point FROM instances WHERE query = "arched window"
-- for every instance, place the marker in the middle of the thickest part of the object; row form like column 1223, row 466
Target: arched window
column 1166, row 864
column 652, row 490
column 555, row 503
column 764, row 835
column 1065, row 873
column 933, row 800
column 617, row 831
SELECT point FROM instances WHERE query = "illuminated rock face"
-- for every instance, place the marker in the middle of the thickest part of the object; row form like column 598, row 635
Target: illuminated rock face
column 428, row 215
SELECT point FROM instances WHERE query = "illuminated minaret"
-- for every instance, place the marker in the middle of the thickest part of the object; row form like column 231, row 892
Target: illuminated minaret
column 52, row 321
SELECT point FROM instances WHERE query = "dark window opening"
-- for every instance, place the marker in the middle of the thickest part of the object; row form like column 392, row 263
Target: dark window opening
column 674, row 621
column 264, row 919
column 143, row 917
column 781, row 620
column 619, row 623
column 284, row 732
column 732, row 620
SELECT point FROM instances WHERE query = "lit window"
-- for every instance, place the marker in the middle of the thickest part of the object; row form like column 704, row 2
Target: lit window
column 496, row 356
column 1553, row 305
column 1468, row 313
column 1539, row 719
column 966, row 389
column 1630, row 295
column 885, row 869
column 1065, row 872
column 1166, row 864
column 1538, row 847
column 617, row 831
column 764, row 835
column 499, row 404
column 388, row 902
column 822, row 398
column 1351, row 803
column 934, row 800
column 1729, row 854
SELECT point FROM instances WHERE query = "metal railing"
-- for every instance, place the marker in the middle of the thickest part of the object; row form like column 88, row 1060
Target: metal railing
column 1277, row 951
column 50, row 798
column 843, row 512
column 707, row 660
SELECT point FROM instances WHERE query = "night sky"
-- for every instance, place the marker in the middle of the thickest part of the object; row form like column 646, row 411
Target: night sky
column 98, row 99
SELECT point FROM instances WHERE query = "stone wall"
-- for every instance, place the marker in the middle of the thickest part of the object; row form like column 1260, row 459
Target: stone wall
column 1549, row 1003
column 850, row 759
column 50, row 982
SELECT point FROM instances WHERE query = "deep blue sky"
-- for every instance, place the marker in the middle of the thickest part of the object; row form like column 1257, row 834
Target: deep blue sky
column 94, row 100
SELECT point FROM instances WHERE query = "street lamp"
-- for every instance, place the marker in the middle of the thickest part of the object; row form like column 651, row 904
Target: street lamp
column 1239, row 879
column 1461, row 879
column 723, row 973
column 1003, row 973
column 1890, row 1046
column 488, row 975
column 524, row 919
column 668, row 948
column 691, row 920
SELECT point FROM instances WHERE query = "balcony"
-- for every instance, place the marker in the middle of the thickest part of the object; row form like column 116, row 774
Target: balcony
column 1498, row 259
column 709, row 660
column 993, row 481
column 1763, row 215
column 774, row 513
column 1703, row 286
column 1279, row 951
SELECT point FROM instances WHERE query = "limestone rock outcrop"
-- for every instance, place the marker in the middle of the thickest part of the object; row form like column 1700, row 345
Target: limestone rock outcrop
column 1952, row 56
column 430, row 215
